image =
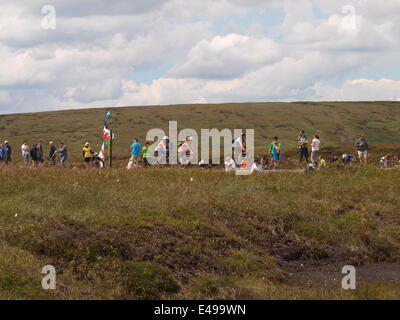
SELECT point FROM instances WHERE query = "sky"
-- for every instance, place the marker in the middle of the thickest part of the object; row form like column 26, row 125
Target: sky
column 67, row 54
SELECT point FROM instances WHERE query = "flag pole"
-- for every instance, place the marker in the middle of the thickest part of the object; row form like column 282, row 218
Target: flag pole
column 110, row 149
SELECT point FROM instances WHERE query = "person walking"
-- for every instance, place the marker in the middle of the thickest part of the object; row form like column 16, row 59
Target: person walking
column 40, row 152
column 161, row 151
column 362, row 146
column 52, row 153
column 135, row 150
column 1, row 152
column 7, row 153
column 25, row 150
column 62, row 152
column 275, row 150
column 303, row 145
column 87, row 154
column 315, row 149
column 146, row 154
column 185, row 151
column 34, row 153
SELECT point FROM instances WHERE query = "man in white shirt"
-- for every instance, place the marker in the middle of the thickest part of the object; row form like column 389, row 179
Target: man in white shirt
column 25, row 153
column 315, row 147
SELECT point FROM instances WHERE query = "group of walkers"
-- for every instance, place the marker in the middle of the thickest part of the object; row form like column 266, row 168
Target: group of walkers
column 35, row 154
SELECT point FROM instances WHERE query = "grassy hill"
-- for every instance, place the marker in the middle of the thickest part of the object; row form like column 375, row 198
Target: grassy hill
column 337, row 123
column 202, row 234
column 199, row 234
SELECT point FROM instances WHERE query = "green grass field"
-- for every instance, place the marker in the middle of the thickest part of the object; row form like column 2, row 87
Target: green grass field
column 196, row 234
column 172, row 233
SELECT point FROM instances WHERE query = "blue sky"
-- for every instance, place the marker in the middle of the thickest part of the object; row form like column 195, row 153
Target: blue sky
column 99, row 53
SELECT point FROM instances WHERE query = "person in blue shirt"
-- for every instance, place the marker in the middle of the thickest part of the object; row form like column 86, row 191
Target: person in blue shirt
column 362, row 146
column 136, row 149
column 1, row 152
column 7, row 153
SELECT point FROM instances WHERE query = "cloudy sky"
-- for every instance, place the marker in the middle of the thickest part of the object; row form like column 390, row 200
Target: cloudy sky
column 150, row 52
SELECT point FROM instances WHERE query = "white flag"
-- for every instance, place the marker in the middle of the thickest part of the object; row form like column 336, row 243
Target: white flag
column 101, row 156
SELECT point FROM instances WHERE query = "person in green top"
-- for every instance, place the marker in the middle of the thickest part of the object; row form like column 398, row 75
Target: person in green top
column 275, row 150
column 146, row 154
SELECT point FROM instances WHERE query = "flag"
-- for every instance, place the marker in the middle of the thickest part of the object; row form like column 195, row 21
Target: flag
column 106, row 134
column 108, row 118
column 101, row 156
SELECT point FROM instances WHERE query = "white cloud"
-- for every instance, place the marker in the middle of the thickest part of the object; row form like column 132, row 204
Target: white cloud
column 230, row 56
column 100, row 44
column 360, row 90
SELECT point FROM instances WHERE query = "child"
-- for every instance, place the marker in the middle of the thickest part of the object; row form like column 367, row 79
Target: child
column 322, row 163
column 276, row 154
column 347, row 158
column 146, row 154
column 384, row 161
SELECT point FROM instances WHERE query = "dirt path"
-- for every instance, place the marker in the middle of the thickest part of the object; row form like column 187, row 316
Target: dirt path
column 387, row 272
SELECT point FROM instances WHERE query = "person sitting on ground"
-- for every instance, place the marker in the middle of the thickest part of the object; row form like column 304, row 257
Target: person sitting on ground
column 347, row 159
column 244, row 165
column 265, row 163
column 334, row 158
column 203, row 164
column 97, row 161
column 256, row 167
column 322, row 163
column 87, row 153
column 384, row 161
column 230, row 164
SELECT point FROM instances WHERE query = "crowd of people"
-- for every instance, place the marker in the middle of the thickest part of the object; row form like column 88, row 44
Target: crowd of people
column 34, row 155
column 314, row 159
column 309, row 153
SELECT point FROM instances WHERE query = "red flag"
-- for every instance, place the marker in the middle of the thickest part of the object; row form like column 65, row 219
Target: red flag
column 106, row 134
